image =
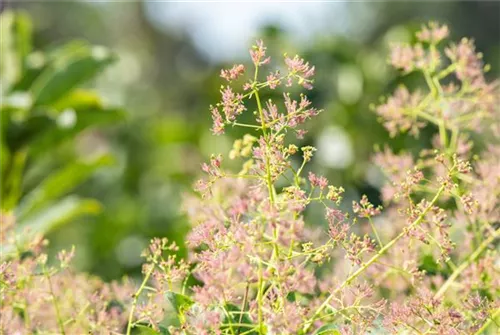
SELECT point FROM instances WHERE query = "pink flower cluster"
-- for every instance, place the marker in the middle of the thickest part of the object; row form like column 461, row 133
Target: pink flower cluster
column 462, row 105
column 253, row 250
column 40, row 298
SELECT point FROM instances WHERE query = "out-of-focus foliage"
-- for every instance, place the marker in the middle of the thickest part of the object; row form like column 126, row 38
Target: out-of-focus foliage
column 44, row 112
column 167, row 85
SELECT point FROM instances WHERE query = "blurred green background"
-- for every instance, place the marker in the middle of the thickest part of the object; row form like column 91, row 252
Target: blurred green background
column 164, row 61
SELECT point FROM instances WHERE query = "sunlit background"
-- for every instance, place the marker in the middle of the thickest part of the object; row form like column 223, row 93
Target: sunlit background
column 166, row 76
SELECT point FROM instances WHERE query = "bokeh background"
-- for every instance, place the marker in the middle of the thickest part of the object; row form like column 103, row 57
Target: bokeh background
column 169, row 55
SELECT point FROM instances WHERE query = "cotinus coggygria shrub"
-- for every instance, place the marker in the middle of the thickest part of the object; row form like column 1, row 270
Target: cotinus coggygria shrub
column 426, row 263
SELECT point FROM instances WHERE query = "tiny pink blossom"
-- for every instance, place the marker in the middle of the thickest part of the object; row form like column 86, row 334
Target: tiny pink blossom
column 233, row 73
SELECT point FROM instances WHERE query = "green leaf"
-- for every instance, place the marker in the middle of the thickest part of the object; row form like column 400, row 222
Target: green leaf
column 97, row 116
column 15, row 45
column 79, row 99
column 429, row 265
column 11, row 186
column 245, row 319
column 59, row 183
column 60, row 213
column 70, row 66
column 85, row 119
column 180, row 302
column 233, row 308
column 145, row 330
column 329, row 329
column 42, row 133
column 22, row 133
column 5, row 154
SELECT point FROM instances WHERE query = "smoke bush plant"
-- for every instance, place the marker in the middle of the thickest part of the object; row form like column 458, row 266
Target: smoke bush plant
column 260, row 269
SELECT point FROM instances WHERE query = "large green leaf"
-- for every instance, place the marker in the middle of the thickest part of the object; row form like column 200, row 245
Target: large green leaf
column 86, row 118
column 44, row 221
column 59, row 183
column 5, row 154
column 15, row 45
column 12, row 181
column 43, row 133
column 79, row 99
column 20, row 134
column 69, row 66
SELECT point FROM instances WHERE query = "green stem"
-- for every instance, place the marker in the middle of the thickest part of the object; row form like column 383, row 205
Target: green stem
column 472, row 257
column 245, row 125
column 136, row 298
column 375, row 231
column 422, row 114
column 299, row 171
column 269, row 180
column 245, row 298
column 454, row 139
column 242, row 176
column 444, row 73
column 230, row 324
column 488, row 323
column 430, row 83
column 260, row 300
column 443, row 136
column 54, row 301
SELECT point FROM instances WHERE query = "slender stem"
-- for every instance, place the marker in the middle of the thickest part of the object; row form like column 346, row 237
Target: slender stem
column 430, row 83
column 442, row 134
column 422, row 114
column 269, row 180
column 454, row 139
column 299, row 171
column 270, row 187
column 26, row 316
column 230, row 324
column 245, row 298
column 375, row 231
column 251, row 330
column 381, row 252
column 446, row 71
column 472, row 257
column 245, row 325
column 136, row 298
column 245, row 125
column 242, row 176
column 260, row 300
column 487, row 323
column 54, row 301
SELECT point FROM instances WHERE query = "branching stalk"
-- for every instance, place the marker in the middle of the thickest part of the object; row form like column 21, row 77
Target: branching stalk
column 472, row 258
column 60, row 322
column 136, row 298
column 381, row 252
column 489, row 322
